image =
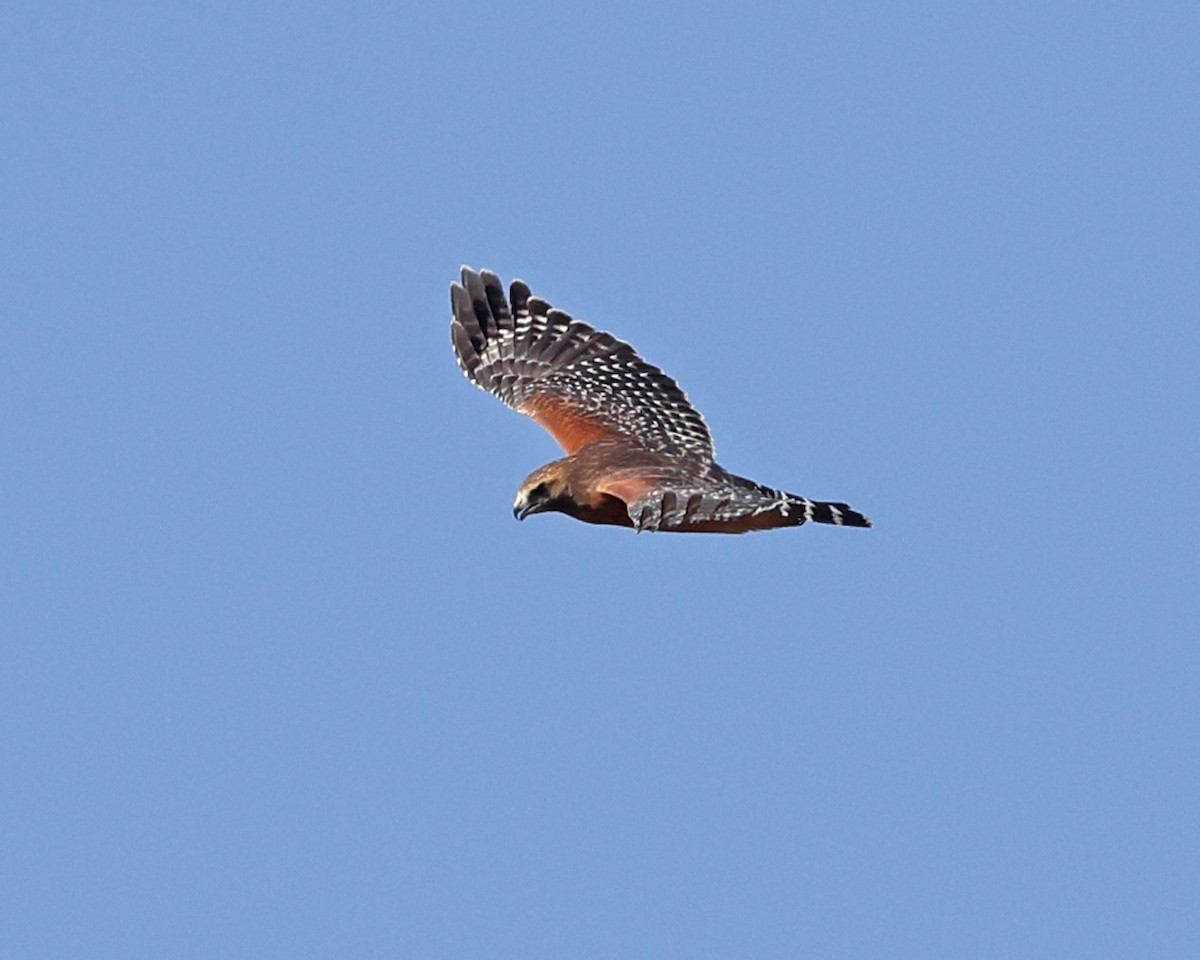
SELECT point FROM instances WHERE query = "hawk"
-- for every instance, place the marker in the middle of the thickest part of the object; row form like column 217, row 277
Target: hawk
column 638, row 453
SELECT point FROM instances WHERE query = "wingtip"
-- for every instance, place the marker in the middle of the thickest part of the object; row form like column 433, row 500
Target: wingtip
column 464, row 270
column 460, row 303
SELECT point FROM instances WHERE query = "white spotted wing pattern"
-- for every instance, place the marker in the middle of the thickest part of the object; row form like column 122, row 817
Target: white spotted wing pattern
column 536, row 359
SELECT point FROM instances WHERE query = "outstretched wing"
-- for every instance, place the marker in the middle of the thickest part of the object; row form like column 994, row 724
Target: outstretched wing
column 580, row 384
column 697, row 498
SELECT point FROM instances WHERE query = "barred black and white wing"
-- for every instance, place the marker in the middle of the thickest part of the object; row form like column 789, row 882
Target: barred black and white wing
column 580, row 384
column 688, row 497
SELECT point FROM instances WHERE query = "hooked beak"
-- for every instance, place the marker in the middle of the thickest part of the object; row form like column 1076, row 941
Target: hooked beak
column 521, row 510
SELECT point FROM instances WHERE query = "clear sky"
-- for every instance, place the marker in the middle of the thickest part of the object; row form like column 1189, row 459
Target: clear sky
column 283, row 678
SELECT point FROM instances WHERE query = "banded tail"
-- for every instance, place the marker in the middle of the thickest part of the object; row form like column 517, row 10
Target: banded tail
column 821, row 511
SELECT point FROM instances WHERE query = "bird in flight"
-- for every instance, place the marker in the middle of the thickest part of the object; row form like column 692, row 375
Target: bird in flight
column 638, row 453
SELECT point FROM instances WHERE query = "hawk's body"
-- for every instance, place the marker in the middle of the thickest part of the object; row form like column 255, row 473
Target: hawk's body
column 639, row 454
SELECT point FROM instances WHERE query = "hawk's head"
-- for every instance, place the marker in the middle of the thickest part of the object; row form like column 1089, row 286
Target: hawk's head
column 543, row 490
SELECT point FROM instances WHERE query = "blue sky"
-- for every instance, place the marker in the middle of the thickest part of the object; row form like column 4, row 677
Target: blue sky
column 282, row 677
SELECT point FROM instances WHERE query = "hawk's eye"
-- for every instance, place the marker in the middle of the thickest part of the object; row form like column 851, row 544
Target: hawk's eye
column 540, row 492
